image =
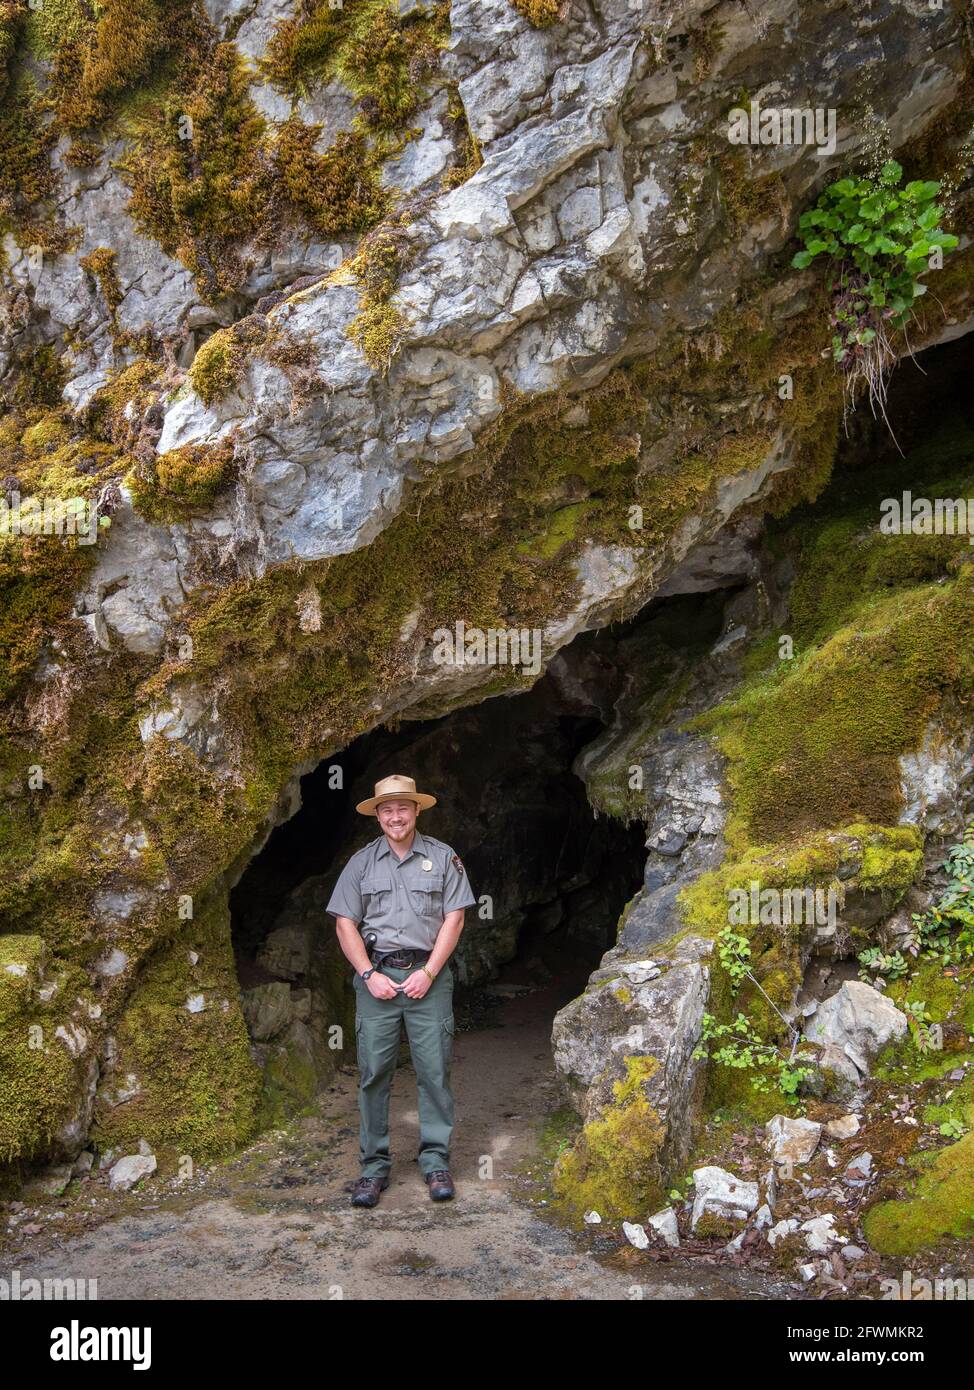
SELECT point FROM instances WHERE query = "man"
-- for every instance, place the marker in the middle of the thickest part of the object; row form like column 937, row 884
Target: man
column 409, row 892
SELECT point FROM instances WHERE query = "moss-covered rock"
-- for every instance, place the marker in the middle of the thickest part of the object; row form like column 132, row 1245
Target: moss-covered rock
column 181, row 1035
column 41, row 1076
column 614, row 1165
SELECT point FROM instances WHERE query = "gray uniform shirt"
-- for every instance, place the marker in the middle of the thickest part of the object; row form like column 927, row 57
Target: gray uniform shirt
column 403, row 901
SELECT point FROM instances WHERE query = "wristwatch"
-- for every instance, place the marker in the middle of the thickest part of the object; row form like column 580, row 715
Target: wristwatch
column 367, row 973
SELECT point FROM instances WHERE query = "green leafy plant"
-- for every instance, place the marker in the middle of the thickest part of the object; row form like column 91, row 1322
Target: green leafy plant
column 875, row 961
column 742, row 1048
column 926, row 1035
column 734, row 952
column 880, row 237
column 952, row 1129
column 945, row 932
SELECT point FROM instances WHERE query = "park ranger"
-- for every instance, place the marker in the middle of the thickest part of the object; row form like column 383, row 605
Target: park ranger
column 409, row 892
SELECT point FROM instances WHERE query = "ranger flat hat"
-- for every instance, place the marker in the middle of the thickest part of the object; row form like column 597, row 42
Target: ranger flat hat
column 395, row 789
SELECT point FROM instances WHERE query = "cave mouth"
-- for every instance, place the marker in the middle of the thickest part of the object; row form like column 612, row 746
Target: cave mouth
column 551, row 875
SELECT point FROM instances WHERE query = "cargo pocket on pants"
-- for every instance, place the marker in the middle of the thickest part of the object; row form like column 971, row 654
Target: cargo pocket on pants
column 448, row 1030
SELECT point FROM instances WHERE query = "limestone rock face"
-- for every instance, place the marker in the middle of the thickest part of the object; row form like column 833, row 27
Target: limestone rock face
column 585, row 235
column 638, row 1008
column 937, row 780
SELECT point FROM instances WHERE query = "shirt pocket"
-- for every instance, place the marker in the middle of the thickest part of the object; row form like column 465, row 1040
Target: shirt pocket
column 426, row 891
column 375, row 896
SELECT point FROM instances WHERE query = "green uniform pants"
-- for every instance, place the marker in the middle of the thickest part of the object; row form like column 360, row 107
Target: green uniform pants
column 429, row 1028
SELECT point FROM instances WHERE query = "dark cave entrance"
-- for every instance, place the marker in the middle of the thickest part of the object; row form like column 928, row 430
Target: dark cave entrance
column 552, row 876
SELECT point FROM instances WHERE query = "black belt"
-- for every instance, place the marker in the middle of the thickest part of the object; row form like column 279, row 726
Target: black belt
column 399, row 959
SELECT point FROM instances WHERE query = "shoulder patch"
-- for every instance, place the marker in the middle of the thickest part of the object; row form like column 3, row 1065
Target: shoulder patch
column 456, row 862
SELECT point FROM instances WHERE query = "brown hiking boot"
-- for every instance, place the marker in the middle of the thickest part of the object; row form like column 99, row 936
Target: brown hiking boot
column 365, row 1192
column 440, row 1184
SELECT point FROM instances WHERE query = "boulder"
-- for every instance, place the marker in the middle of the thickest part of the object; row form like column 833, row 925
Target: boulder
column 852, row 1026
column 792, row 1140
column 266, row 1009
column 642, row 1009
column 130, row 1170
column 723, row 1196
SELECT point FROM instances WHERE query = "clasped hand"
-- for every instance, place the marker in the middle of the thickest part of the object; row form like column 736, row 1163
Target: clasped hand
column 414, row 985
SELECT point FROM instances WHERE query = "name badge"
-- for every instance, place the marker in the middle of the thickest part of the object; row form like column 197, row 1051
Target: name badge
column 427, row 864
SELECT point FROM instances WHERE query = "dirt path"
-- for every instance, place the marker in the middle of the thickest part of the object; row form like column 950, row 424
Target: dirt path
column 274, row 1222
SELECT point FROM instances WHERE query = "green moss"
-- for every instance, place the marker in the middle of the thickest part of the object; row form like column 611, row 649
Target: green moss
column 199, row 171
column 957, row 1108
column 41, row 377
column 26, row 141
column 337, row 192
column 45, row 457
column 748, row 198
column 541, row 13
column 290, row 1085
column 819, row 738
column 385, row 60
column 171, row 486
column 100, row 265
column 217, row 366
column 941, row 1205
column 883, row 860
column 614, row 1165
column 100, row 62
column 565, row 526
column 38, row 1077
column 199, row 1087
column 301, row 51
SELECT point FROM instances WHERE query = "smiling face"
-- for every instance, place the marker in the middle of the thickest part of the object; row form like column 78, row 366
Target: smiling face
column 398, row 819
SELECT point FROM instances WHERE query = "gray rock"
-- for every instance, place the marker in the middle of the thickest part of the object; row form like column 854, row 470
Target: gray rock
column 660, row 1018
column 853, row 1026
column 719, row 1193
column 792, row 1139
column 130, row 1170
column 819, row 1235
column 635, row 1234
column 846, row 1127
column 266, row 1010
column 665, row 1225
column 781, row 1230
